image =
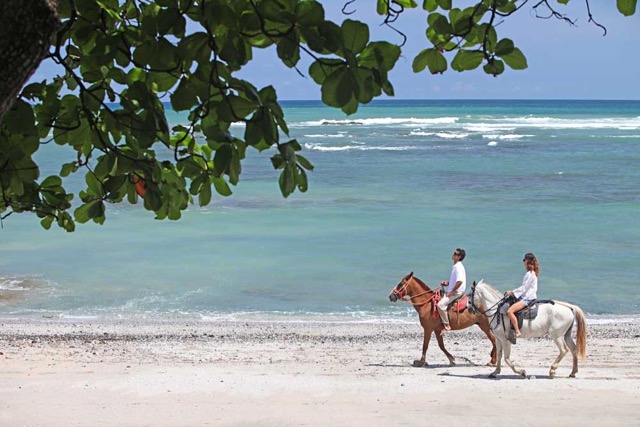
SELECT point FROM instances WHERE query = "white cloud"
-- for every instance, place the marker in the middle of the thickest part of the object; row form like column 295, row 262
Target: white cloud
column 462, row 87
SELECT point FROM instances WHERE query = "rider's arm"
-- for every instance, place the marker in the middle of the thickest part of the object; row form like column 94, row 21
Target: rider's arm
column 455, row 288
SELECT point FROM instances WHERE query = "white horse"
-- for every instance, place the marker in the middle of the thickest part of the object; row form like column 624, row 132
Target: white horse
column 554, row 319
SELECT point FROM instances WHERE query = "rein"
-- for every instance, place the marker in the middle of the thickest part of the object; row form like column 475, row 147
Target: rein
column 494, row 306
column 402, row 293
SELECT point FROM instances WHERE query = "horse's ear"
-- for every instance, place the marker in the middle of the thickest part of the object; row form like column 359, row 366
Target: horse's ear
column 410, row 275
column 474, row 283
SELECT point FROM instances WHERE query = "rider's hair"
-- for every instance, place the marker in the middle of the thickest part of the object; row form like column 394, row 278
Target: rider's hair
column 461, row 252
column 532, row 263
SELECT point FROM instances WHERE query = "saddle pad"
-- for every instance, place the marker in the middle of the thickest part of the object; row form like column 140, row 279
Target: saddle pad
column 461, row 303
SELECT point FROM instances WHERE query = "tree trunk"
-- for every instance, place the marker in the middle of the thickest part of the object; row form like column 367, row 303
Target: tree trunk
column 26, row 28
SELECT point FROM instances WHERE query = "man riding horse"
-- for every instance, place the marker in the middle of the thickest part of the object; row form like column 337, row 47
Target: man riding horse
column 456, row 286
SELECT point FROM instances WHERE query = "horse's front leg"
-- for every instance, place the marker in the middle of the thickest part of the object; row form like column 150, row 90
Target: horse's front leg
column 484, row 325
column 499, row 345
column 451, row 357
column 425, row 346
column 507, row 360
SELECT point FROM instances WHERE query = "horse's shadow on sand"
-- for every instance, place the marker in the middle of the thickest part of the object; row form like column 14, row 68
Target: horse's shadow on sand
column 443, row 365
column 484, row 376
column 499, row 378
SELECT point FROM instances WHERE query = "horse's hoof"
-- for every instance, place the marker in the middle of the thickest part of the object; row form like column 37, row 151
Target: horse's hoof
column 572, row 375
column 523, row 373
column 452, row 363
column 492, row 375
column 419, row 363
column 493, row 365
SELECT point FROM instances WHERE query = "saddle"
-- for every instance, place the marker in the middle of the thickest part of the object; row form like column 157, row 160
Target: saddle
column 458, row 305
column 528, row 313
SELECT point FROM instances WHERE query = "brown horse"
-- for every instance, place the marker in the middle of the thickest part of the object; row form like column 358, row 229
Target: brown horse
column 424, row 301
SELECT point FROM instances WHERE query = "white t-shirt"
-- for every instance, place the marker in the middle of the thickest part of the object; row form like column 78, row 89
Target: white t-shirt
column 458, row 274
column 529, row 288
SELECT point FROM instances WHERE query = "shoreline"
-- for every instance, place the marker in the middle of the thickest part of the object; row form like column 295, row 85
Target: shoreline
column 180, row 372
column 411, row 317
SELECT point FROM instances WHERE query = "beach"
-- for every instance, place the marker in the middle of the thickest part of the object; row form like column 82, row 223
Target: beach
column 310, row 373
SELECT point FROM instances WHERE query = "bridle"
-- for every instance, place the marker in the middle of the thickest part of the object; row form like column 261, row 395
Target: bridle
column 484, row 312
column 402, row 293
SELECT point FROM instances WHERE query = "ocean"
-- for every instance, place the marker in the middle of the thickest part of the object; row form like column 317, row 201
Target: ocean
column 396, row 188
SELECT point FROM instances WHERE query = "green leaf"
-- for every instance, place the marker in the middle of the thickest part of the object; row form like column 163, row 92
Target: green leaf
column 382, row 7
column 289, row 51
column 381, row 55
column 320, row 69
column 331, row 36
column 467, row 60
column 94, row 185
column 68, row 168
column 461, row 20
column 309, row 13
column 221, row 187
column 407, row 4
column 355, row 36
column 351, row 106
column 430, row 57
column 627, row 7
column 302, row 161
column 440, row 24
column 51, row 181
column 20, row 118
column 204, row 198
column 236, row 108
column 90, row 210
column 336, row 89
column 287, row 181
column 504, row 47
column 184, row 97
column 79, row 136
column 515, row 59
column 429, row 5
column 301, row 180
column 46, row 222
column 495, row 67
column 222, row 159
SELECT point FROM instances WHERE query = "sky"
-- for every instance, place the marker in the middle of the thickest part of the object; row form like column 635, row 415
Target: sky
column 565, row 62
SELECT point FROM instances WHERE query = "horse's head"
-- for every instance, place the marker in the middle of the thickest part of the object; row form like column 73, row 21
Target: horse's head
column 400, row 290
column 484, row 295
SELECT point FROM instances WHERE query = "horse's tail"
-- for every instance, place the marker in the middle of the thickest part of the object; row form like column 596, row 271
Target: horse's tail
column 581, row 333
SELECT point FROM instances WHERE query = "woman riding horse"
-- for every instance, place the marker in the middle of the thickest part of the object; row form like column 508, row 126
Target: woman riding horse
column 555, row 319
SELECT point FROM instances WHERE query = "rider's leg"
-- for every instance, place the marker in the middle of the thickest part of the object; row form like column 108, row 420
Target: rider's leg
column 442, row 310
column 512, row 315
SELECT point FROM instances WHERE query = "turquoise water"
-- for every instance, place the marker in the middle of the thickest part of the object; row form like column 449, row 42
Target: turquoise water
column 396, row 188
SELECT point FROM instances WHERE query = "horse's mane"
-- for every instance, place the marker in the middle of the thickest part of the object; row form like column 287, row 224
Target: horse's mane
column 424, row 285
column 493, row 290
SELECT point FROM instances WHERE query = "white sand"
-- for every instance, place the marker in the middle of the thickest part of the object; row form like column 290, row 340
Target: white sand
column 56, row 373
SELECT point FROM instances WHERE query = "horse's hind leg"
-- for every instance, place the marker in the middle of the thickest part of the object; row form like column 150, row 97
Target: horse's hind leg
column 560, row 342
column 452, row 359
column 572, row 346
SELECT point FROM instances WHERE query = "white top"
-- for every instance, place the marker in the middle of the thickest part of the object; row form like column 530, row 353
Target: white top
column 458, row 274
column 529, row 288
